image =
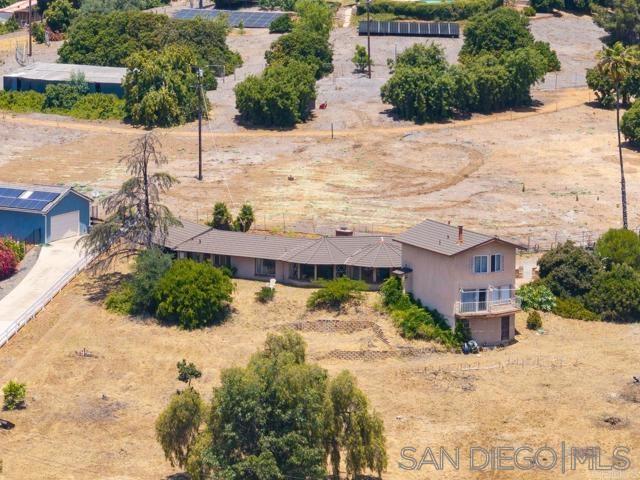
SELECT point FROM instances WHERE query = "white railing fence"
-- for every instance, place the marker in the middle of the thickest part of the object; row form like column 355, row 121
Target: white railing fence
column 43, row 300
column 489, row 305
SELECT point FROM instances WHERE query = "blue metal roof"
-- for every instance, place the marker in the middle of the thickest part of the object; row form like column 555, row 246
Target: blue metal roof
column 31, row 198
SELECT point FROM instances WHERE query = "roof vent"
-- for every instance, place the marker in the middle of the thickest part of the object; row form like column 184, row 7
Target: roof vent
column 344, row 232
column 460, row 234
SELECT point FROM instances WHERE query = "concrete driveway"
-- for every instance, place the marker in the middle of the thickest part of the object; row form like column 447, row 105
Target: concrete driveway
column 55, row 260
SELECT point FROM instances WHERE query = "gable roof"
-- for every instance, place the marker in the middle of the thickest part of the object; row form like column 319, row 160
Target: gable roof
column 442, row 238
column 34, row 198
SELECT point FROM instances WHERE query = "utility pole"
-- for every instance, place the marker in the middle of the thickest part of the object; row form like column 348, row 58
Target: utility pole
column 30, row 31
column 200, row 73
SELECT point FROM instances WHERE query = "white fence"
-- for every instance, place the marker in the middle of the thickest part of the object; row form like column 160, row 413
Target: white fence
column 43, row 300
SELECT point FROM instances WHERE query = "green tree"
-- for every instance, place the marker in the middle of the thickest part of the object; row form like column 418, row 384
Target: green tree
column 151, row 265
column 630, row 125
column 14, row 395
column 305, row 46
column 361, row 59
column 496, row 31
column 427, row 56
column 159, row 87
column 619, row 246
column 59, row 15
column 245, row 218
column 221, row 217
column 616, row 294
column 420, row 94
column 547, row 5
column 193, row 295
column 279, row 418
column 178, row 425
column 615, row 62
column 352, row 432
column 568, row 270
column 187, row 371
column 314, row 16
column 282, row 24
column 620, row 18
column 135, row 214
column 281, row 97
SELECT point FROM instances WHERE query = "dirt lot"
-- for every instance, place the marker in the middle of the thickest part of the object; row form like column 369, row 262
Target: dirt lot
column 93, row 417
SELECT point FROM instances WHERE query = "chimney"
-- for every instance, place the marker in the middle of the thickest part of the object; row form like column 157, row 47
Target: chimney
column 344, row 232
column 460, row 234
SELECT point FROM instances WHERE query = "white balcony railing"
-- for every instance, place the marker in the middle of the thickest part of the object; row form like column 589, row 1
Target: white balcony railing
column 490, row 305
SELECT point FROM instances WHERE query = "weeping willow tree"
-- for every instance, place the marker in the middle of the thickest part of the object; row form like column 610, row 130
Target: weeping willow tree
column 135, row 216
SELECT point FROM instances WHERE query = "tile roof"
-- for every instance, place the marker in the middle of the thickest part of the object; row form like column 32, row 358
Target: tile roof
column 364, row 251
column 384, row 253
column 443, row 238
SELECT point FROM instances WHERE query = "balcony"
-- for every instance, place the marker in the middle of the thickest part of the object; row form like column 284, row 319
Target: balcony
column 491, row 301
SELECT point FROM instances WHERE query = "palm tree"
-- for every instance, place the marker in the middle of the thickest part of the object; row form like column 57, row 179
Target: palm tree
column 615, row 62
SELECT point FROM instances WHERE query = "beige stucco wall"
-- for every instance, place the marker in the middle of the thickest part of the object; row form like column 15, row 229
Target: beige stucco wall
column 246, row 268
column 488, row 331
column 437, row 279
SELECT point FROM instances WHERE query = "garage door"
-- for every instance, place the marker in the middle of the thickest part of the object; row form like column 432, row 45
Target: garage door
column 65, row 225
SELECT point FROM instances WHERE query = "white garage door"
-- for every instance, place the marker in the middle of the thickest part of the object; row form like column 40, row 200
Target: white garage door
column 65, row 225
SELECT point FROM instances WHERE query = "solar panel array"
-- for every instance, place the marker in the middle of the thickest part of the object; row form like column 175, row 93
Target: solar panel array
column 411, row 29
column 10, row 198
column 248, row 19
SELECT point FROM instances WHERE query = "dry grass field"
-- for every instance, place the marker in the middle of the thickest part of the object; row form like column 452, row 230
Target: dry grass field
column 93, row 417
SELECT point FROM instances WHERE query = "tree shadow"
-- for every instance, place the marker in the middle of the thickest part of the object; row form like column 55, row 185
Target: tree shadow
column 238, row 120
column 633, row 146
column 178, row 476
column 98, row 287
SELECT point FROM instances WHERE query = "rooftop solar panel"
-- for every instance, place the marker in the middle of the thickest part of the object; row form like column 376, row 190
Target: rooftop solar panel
column 10, row 192
column 47, row 196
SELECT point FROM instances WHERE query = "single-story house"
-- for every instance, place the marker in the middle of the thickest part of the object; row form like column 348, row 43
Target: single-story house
column 20, row 12
column 43, row 214
column 38, row 75
column 465, row 275
column 298, row 261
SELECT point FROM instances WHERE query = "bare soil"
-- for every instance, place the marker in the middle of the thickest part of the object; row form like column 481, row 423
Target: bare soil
column 93, row 417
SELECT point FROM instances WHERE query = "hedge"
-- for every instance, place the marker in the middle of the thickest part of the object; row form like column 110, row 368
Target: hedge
column 455, row 10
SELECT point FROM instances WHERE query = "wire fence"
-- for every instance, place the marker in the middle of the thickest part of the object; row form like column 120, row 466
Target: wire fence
column 43, row 300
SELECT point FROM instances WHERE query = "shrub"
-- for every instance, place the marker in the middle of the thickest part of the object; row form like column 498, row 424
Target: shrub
column 616, row 294
column 619, row 246
column 10, row 25
column 568, row 270
column 496, row 31
column 529, row 11
column 391, row 291
column 536, row 296
column 8, row 261
column 414, row 322
column 534, row 320
column 630, row 125
column 193, row 294
column 98, row 106
column 334, row 294
column 361, row 59
column 221, row 218
column 18, row 248
column 544, row 6
column 282, row 96
column 265, row 294
column 62, row 96
column 282, row 24
column 14, row 395
column 121, row 300
column 422, row 56
column 455, row 10
column 21, row 102
column 245, row 218
column 38, row 32
column 573, row 308
column 150, row 266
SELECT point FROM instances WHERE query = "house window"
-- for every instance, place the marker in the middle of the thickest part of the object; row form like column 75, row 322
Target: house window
column 473, row 300
column 367, row 275
column 222, row 261
column 294, row 270
column 341, row 271
column 354, row 273
column 325, row 272
column 497, row 264
column 265, row 267
column 480, row 264
column 501, row 293
column 307, row 272
column 383, row 274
